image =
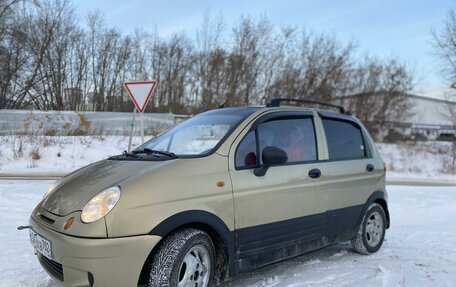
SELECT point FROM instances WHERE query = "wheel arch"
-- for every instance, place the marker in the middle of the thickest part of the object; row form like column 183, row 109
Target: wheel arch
column 219, row 232
column 383, row 204
column 380, row 198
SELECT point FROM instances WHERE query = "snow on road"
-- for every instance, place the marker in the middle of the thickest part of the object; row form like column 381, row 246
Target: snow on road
column 18, row 264
column 419, row 250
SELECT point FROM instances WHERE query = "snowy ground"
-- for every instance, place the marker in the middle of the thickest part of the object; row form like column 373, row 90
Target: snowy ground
column 419, row 249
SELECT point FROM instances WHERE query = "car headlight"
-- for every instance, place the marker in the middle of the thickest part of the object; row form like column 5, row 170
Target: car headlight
column 100, row 205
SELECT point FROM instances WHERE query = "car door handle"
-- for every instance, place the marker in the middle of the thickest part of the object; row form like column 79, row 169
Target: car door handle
column 314, row 173
column 370, row 167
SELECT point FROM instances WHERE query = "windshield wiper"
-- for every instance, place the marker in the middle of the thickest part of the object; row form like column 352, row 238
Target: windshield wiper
column 127, row 154
column 148, row 150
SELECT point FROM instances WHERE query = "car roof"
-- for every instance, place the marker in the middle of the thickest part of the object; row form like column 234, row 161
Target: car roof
column 248, row 110
column 241, row 111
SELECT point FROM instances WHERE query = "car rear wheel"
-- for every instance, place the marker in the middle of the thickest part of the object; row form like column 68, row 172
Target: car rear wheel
column 371, row 231
column 186, row 258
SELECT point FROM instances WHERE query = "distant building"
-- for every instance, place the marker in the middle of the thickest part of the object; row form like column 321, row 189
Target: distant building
column 430, row 117
column 426, row 119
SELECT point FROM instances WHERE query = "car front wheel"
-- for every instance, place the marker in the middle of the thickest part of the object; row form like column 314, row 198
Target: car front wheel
column 186, row 258
column 371, row 231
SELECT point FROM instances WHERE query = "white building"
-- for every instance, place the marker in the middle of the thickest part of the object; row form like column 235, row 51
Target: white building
column 433, row 118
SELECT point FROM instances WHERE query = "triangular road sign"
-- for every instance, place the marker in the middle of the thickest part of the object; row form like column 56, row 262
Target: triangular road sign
column 140, row 93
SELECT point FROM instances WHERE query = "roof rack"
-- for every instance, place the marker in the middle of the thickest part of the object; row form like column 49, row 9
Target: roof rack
column 276, row 103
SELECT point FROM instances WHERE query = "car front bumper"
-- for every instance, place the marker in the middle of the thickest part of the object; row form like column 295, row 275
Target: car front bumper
column 108, row 261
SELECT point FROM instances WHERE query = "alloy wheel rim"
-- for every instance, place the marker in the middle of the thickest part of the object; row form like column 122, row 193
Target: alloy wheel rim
column 374, row 229
column 194, row 269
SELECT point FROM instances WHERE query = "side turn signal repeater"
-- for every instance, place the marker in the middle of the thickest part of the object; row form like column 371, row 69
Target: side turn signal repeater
column 68, row 223
column 220, row 183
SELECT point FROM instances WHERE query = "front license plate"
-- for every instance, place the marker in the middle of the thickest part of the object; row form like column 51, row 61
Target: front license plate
column 41, row 244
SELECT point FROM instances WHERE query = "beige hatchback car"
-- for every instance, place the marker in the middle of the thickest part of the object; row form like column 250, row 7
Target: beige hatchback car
column 226, row 191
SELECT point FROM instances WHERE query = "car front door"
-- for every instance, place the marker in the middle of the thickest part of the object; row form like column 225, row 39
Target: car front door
column 280, row 214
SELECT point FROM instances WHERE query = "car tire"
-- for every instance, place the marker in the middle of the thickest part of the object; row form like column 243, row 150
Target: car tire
column 371, row 231
column 186, row 258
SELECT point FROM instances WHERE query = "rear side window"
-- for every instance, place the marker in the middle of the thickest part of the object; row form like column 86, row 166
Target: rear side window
column 345, row 140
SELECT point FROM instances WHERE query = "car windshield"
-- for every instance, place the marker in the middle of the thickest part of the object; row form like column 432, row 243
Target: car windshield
column 198, row 135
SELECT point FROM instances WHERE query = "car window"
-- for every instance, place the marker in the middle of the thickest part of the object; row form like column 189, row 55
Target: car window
column 345, row 140
column 246, row 154
column 295, row 136
column 198, row 135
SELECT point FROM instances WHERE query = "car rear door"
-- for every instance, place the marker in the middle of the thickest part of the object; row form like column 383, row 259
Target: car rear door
column 352, row 174
column 277, row 215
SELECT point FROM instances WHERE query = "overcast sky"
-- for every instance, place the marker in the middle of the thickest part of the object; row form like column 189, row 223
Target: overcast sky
column 384, row 28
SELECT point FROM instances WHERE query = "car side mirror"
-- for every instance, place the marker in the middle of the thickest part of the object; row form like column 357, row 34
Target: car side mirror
column 271, row 156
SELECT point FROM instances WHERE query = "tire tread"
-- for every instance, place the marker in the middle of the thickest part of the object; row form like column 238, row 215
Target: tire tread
column 358, row 242
column 168, row 253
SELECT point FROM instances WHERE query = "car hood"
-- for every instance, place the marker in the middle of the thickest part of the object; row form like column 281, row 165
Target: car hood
column 76, row 189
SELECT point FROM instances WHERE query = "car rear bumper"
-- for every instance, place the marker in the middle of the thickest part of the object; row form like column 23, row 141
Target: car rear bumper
column 109, row 261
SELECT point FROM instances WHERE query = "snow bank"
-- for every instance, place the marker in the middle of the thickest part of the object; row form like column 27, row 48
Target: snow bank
column 421, row 161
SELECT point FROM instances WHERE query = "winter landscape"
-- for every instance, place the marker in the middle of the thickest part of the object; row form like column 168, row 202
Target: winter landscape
column 419, row 248
column 72, row 72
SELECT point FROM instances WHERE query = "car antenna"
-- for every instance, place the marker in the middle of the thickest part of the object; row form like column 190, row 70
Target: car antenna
column 223, row 105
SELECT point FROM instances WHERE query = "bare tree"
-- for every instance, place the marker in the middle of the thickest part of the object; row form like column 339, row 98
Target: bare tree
column 53, row 72
column 209, row 63
column 50, row 61
column 378, row 93
column 445, row 49
column 315, row 69
column 451, row 108
column 246, row 62
column 76, row 81
column 12, row 50
column 445, row 46
column 32, row 34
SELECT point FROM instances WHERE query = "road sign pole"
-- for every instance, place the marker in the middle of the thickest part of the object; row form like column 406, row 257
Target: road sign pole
column 142, row 128
column 140, row 93
column 131, row 129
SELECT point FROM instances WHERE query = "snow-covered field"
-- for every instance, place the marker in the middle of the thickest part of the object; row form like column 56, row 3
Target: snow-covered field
column 419, row 250
column 58, row 155
column 421, row 160
column 44, row 142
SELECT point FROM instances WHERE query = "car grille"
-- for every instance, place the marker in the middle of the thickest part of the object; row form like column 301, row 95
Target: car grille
column 53, row 266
